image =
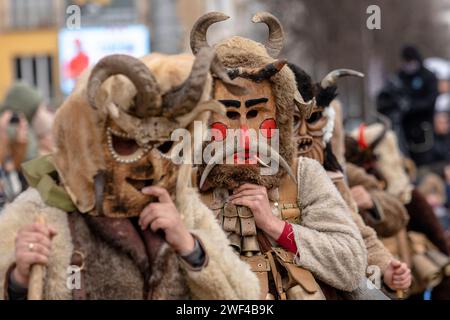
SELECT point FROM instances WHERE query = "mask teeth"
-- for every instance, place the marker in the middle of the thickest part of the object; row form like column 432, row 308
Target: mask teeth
column 165, row 156
column 116, row 156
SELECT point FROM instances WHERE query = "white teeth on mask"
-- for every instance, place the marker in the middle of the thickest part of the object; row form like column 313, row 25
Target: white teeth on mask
column 124, row 159
column 165, row 156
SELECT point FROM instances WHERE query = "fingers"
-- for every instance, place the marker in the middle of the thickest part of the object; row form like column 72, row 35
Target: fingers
column 248, row 186
column 401, row 269
column 254, row 195
column 401, row 285
column 160, row 223
column 35, row 238
column 28, row 259
column 161, row 193
column 401, row 277
column 152, row 212
column 395, row 263
column 5, row 118
column 244, row 201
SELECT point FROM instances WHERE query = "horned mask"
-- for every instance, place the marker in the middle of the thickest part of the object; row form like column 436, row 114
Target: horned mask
column 113, row 134
column 314, row 122
column 265, row 108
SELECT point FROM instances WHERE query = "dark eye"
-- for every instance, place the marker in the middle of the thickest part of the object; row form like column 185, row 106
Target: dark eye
column 233, row 115
column 316, row 116
column 165, row 147
column 252, row 114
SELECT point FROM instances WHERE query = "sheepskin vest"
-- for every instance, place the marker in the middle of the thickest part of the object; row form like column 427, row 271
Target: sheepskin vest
column 122, row 263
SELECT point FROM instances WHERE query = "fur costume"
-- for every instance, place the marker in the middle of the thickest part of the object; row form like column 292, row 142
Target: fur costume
column 139, row 110
column 332, row 130
column 329, row 244
column 370, row 151
column 391, row 213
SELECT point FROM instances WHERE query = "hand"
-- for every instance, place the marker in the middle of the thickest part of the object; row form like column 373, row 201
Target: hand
column 255, row 198
column 362, row 198
column 4, row 121
column 163, row 215
column 22, row 130
column 397, row 276
column 33, row 246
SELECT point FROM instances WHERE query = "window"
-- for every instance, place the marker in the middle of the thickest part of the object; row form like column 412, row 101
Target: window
column 36, row 71
column 27, row 14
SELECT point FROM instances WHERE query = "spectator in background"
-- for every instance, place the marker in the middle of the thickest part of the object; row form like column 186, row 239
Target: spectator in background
column 18, row 142
column 433, row 188
column 441, row 69
column 441, row 147
column 409, row 99
column 42, row 127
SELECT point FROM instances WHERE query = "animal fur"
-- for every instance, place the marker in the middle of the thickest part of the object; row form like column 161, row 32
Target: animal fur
column 113, row 270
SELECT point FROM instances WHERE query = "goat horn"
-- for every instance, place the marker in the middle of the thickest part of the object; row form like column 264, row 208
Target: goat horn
column 200, row 29
column 331, row 78
column 148, row 97
column 276, row 34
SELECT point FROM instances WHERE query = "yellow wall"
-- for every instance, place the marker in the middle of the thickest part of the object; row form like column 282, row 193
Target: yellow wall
column 23, row 43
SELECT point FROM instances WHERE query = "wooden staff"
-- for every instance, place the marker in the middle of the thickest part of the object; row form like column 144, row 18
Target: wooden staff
column 37, row 273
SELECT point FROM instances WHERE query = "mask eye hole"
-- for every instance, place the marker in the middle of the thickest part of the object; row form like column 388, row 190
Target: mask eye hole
column 316, row 116
column 268, row 128
column 296, row 121
column 165, row 147
column 233, row 115
column 218, row 131
column 252, row 114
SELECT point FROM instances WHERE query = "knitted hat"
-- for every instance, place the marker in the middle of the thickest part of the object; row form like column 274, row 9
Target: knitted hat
column 22, row 98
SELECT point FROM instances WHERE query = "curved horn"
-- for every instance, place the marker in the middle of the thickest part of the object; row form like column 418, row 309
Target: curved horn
column 186, row 97
column 200, row 28
column 148, row 96
column 331, row 78
column 276, row 34
column 386, row 126
column 183, row 99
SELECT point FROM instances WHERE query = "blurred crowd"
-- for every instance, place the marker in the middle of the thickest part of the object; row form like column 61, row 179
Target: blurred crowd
column 417, row 102
column 25, row 133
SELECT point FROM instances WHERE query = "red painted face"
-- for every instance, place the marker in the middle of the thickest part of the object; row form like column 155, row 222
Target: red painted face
column 253, row 113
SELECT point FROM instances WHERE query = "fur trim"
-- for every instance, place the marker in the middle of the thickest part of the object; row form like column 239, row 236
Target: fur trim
column 225, row 277
column 329, row 242
column 23, row 211
column 389, row 162
column 330, row 114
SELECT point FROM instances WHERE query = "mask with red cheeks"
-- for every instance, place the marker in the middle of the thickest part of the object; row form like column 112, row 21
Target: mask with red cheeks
column 308, row 132
column 252, row 119
column 248, row 116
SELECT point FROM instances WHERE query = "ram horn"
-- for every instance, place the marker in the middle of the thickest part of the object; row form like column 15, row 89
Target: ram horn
column 331, row 78
column 200, row 29
column 185, row 98
column 148, row 97
column 276, row 34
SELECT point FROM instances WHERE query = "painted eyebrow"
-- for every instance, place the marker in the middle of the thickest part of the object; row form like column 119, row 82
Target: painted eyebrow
column 231, row 103
column 254, row 102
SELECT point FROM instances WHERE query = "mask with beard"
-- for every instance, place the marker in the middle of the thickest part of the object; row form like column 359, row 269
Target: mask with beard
column 267, row 106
